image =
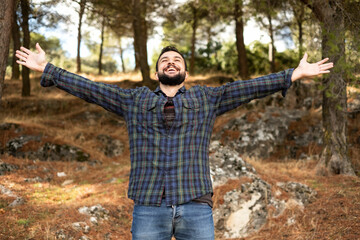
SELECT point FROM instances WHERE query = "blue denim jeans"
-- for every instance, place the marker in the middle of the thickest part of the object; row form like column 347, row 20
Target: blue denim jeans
column 187, row 221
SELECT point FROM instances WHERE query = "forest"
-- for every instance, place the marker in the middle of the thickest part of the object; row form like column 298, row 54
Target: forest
column 65, row 163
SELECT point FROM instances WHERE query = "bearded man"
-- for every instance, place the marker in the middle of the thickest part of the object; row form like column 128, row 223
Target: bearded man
column 169, row 132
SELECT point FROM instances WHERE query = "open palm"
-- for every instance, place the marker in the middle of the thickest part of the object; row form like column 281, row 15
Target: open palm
column 32, row 60
column 311, row 70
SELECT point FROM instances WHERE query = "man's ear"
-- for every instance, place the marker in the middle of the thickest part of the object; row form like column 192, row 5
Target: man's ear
column 186, row 75
column 156, row 76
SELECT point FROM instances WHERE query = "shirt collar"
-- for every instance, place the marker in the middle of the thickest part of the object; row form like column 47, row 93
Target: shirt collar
column 158, row 90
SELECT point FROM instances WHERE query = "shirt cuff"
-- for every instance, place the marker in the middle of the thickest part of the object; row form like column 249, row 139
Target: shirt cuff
column 288, row 82
column 48, row 75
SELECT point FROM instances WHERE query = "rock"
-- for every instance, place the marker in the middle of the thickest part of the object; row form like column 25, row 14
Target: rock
column 94, row 220
column 17, row 202
column 61, row 174
column 107, row 236
column 34, row 180
column 259, row 136
column 60, row 235
column 109, row 146
column 301, row 192
column 9, row 126
column 63, row 152
column 7, row 167
column 226, row 164
column 6, row 191
column 81, row 227
column 47, row 152
column 67, row 182
column 96, row 213
column 244, row 211
column 84, row 238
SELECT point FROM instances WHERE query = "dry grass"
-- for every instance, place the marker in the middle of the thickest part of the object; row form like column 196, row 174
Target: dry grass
column 51, row 206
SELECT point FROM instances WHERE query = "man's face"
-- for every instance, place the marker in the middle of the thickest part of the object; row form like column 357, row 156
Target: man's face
column 171, row 69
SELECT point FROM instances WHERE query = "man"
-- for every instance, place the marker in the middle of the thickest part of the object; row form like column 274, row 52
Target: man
column 169, row 132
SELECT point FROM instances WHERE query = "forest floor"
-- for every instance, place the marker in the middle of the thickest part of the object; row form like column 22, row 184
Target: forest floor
column 51, row 206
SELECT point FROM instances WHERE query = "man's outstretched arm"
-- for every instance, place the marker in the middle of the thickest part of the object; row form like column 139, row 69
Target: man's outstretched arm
column 32, row 60
column 108, row 96
column 310, row 70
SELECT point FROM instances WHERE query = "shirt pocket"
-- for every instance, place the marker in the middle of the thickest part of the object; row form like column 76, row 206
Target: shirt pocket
column 147, row 119
column 190, row 119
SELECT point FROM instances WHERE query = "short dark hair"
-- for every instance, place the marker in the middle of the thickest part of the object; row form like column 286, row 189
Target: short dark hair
column 172, row 49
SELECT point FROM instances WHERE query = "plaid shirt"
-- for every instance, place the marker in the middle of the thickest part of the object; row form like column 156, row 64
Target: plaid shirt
column 174, row 159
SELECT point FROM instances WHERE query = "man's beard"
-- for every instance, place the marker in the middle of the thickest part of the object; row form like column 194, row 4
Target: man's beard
column 171, row 80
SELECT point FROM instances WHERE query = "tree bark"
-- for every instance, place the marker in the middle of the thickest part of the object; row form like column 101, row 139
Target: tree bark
column 240, row 45
column 15, row 31
column 122, row 58
column 334, row 158
column 140, row 39
column 193, row 39
column 6, row 18
column 25, row 72
column 272, row 50
column 101, row 45
column 81, row 14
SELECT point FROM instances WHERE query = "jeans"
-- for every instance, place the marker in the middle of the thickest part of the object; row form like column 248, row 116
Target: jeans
column 187, row 221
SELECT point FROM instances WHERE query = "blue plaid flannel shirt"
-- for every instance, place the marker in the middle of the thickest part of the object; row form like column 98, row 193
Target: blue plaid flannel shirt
column 173, row 159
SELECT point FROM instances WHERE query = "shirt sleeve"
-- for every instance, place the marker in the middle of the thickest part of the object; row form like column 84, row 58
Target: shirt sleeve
column 232, row 95
column 108, row 96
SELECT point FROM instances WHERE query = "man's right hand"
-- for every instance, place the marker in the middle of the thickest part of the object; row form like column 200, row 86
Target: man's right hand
column 34, row 61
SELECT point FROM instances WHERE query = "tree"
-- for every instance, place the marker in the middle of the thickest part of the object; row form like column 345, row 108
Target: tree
column 332, row 16
column 140, row 28
column 25, row 72
column 6, row 18
column 15, row 32
column 81, row 12
column 268, row 10
column 240, row 45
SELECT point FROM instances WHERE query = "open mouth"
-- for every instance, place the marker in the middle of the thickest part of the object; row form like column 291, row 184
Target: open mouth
column 171, row 69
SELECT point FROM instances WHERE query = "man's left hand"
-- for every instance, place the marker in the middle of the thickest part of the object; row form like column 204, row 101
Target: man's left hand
column 311, row 70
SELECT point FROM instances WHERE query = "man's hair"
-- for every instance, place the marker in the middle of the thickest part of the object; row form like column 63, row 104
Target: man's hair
column 168, row 49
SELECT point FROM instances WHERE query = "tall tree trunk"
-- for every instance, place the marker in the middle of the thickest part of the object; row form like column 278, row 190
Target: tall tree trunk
column 272, row 38
column 272, row 47
column 299, row 12
column 101, row 45
column 335, row 158
column 240, row 45
column 193, row 39
column 6, row 18
column 81, row 14
column 140, row 39
column 299, row 21
column 15, row 32
column 122, row 57
column 25, row 72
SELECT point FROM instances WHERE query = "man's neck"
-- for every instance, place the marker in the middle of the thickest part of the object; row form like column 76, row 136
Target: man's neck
column 170, row 91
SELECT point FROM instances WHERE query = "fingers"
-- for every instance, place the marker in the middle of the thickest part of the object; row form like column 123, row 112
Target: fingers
column 322, row 61
column 20, row 62
column 305, row 56
column 39, row 48
column 327, row 66
column 25, row 50
column 21, row 57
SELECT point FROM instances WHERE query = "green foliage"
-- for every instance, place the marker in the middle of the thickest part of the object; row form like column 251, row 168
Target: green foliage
column 23, row 222
column 258, row 62
column 51, row 45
